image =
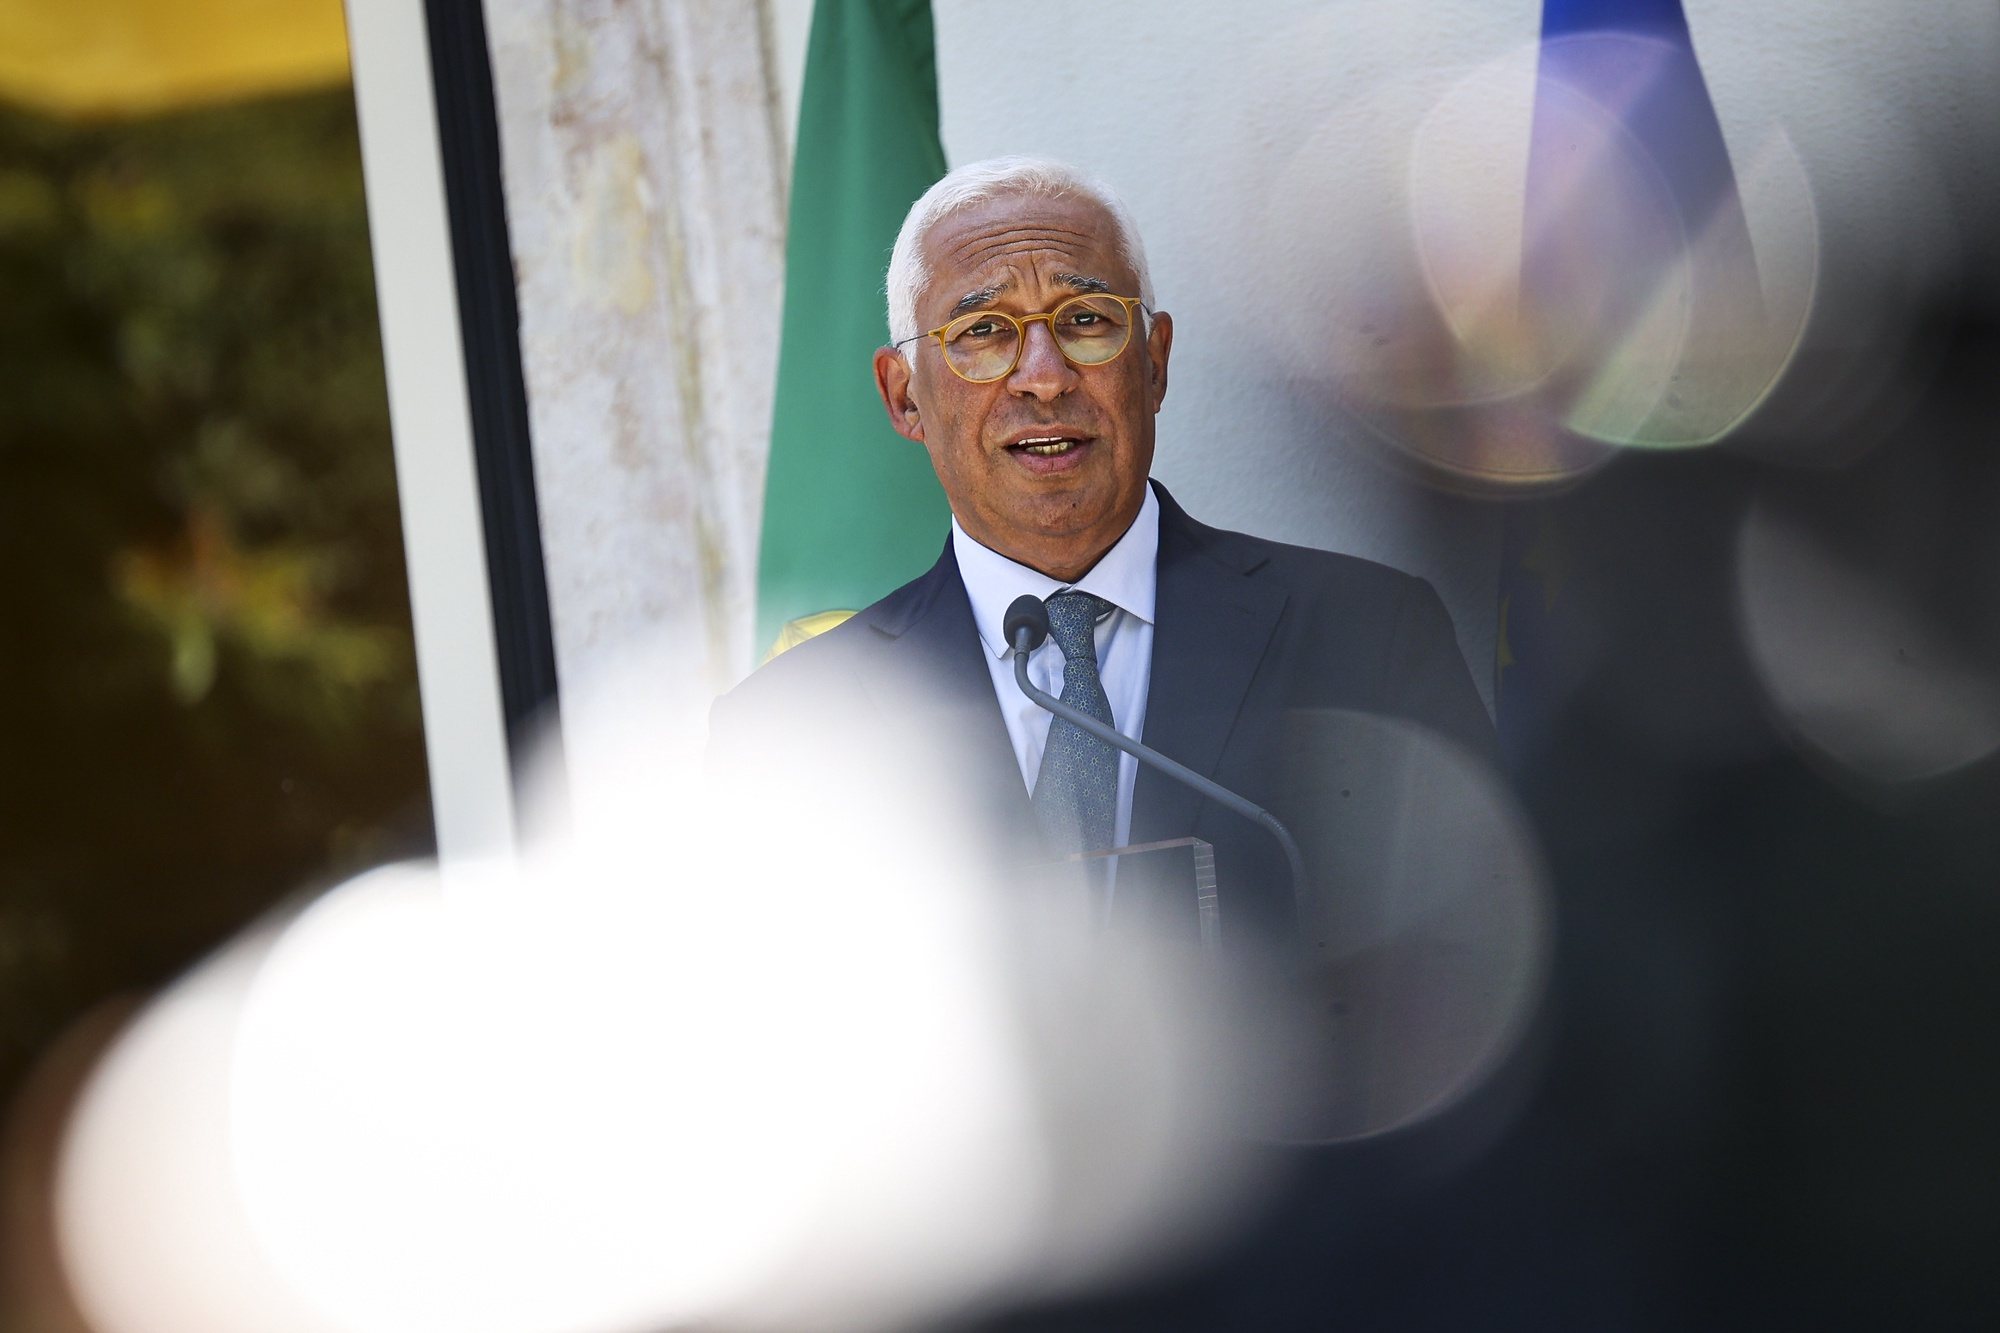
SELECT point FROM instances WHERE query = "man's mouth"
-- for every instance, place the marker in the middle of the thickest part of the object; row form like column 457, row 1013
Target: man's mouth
column 1047, row 446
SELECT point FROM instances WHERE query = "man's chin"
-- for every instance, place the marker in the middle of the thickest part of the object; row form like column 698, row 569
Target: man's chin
column 1060, row 541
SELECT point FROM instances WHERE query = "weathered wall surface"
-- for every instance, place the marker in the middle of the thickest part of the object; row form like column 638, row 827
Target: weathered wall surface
column 645, row 185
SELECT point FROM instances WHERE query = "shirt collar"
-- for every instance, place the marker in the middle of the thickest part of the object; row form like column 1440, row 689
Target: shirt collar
column 1127, row 576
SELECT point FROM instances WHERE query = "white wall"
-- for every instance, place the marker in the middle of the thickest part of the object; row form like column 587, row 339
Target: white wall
column 644, row 176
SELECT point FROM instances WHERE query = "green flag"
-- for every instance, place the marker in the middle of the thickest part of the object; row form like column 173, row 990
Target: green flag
column 851, row 509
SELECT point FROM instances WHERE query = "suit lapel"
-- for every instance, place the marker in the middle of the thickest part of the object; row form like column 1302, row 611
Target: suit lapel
column 1213, row 624
column 935, row 695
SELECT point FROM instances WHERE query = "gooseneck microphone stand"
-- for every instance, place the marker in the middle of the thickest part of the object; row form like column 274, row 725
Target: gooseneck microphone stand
column 1026, row 626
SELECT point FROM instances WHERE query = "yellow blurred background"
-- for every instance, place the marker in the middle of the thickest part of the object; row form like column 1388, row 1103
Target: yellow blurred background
column 94, row 58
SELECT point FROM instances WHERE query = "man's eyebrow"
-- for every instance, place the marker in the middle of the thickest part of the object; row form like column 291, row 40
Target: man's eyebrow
column 986, row 296
column 980, row 299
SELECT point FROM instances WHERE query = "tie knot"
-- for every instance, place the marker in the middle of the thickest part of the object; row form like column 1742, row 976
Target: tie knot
column 1073, row 618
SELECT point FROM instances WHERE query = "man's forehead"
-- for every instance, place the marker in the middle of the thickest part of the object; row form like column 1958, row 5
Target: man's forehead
column 979, row 248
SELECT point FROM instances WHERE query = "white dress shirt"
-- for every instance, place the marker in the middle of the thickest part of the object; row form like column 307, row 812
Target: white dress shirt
column 1127, row 577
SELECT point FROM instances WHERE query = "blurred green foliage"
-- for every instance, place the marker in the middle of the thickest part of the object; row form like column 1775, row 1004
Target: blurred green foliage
column 207, row 686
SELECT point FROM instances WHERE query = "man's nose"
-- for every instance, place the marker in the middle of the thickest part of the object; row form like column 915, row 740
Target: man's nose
column 1042, row 370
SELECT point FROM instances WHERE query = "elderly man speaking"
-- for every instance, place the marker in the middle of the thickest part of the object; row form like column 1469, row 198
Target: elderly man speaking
column 1029, row 360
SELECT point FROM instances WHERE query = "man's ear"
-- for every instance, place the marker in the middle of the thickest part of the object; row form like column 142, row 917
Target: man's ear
column 892, row 381
column 1159, row 342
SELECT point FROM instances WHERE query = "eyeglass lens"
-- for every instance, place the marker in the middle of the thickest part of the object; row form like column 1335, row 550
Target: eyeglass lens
column 1089, row 330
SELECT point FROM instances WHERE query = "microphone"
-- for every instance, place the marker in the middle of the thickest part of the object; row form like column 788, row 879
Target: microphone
column 1026, row 626
column 1029, row 615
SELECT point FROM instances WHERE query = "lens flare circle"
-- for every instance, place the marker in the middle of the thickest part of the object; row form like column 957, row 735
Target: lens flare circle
column 1501, row 277
column 1427, row 934
column 705, row 1055
column 1852, row 665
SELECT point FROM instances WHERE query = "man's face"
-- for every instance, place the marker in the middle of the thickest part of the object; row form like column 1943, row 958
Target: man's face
column 1053, row 510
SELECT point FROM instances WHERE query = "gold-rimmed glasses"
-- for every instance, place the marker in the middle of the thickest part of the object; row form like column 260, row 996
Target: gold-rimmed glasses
column 985, row 345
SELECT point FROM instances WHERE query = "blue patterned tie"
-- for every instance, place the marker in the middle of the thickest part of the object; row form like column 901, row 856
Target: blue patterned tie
column 1076, row 790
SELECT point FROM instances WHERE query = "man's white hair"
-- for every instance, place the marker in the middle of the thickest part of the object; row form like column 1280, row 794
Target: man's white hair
column 975, row 183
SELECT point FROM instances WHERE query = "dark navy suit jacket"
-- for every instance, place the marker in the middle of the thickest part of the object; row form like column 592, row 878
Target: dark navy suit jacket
column 1265, row 657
